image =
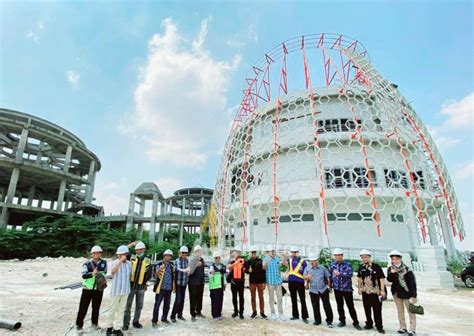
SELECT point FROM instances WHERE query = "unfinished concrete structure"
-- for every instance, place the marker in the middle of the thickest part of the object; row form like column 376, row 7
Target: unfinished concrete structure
column 44, row 170
column 185, row 210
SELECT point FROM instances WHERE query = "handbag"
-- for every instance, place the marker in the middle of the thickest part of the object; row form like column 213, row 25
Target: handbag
column 416, row 309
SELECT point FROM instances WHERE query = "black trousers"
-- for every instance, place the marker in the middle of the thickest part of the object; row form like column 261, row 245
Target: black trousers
column 217, row 299
column 372, row 303
column 178, row 301
column 297, row 288
column 326, row 305
column 342, row 296
column 237, row 288
column 195, row 299
column 87, row 296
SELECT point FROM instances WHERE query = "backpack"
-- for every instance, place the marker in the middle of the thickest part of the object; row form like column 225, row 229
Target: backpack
column 101, row 282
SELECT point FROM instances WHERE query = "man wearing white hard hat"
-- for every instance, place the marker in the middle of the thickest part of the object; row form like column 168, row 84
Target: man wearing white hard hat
column 319, row 283
column 341, row 272
column 237, row 284
column 403, row 291
column 141, row 273
column 164, row 286
column 257, row 282
column 182, row 277
column 296, row 266
column 271, row 266
column 216, row 285
column 91, row 291
column 371, row 284
column 196, row 284
column 121, row 270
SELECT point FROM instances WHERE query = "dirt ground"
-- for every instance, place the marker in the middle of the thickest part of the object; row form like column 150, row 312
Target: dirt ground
column 27, row 295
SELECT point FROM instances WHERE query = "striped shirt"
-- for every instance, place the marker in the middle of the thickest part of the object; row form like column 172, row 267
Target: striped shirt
column 272, row 272
column 121, row 278
column 181, row 277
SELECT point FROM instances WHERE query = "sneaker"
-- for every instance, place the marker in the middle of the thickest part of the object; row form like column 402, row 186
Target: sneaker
column 125, row 327
column 341, row 324
column 173, row 320
column 137, row 325
column 282, row 318
column 117, row 332
column 381, row 331
column 220, row 318
column 109, row 331
column 241, row 316
column 95, row 326
column 165, row 321
column 216, row 319
column 254, row 315
column 234, row 314
column 368, row 327
column 265, row 317
column 329, row 325
column 316, row 323
column 357, row 326
column 154, row 325
column 201, row 315
column 274, row 317
column 181, row 318
column 193, row 318
column 411, row 333
column 294, row 318
column 305, row 321
column 402, row 331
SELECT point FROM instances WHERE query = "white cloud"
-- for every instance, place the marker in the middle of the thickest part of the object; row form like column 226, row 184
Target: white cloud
column 73, row 78
column 252, row 33
column 34, row 34
column 443, row 140
column 466, row 171
column 168, row 185
column 112, row 195
column 180, row 100
column 459, row 113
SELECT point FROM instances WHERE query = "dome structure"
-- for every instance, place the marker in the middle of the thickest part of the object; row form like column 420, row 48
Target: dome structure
column 324, row 151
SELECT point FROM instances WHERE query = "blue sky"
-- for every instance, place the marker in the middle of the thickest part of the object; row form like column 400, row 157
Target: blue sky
column 91, row 67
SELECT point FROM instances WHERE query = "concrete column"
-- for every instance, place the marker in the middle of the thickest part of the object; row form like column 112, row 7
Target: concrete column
column 131, row 210
column 31, row 195
column 40, row 201
column 62, row 189
column 154, row 210
column 181, row 226
column 91, row 180
column 162, row 225
column 10, row 195
column 432, row 231
column 39, row 155
column 447, row 234
column 67, row 159
column 21, row 145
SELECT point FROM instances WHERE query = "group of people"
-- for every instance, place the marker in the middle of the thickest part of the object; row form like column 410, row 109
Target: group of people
column 131, row 273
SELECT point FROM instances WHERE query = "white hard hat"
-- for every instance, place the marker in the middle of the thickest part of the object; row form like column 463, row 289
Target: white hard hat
column 122, row 249
column 197, row 248
column 139, row 246
column 294, row 249
column 395, row 253
column 254, row 248
column 216, row 254
column 96, row 249
column 238, row 249
column 183, row 249
column 365, row 252
column 337, row 251
column 312, row 257
column 269, row 248
column 168, row 252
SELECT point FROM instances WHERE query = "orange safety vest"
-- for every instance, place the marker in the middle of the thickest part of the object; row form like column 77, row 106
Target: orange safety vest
column 296, row 271
column 237, row 268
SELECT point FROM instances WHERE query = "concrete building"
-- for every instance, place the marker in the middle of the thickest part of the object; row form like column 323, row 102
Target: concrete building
column 44, row 170
column 332, row 156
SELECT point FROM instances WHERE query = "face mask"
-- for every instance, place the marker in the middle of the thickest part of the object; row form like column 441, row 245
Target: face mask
column 141, row 255
column 398, row 264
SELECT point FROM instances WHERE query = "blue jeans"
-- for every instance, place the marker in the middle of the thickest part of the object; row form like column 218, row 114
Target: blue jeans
column 165, row 295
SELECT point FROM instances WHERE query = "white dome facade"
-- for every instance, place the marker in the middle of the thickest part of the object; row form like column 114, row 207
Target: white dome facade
column 344, row 164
